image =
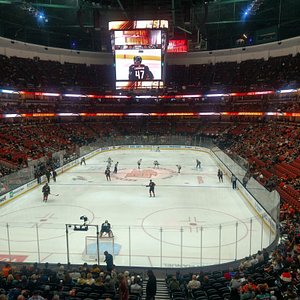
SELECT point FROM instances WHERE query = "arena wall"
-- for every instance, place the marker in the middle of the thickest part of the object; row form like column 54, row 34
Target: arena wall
column 25, row 50
column 20, row 49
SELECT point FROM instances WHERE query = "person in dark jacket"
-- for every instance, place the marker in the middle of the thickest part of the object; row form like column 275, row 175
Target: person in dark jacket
column 46, row 192
column 107, row 174
column 48, row 175
column 151, row 286
column 109, row 261
column 54, row 175
column 151, row 187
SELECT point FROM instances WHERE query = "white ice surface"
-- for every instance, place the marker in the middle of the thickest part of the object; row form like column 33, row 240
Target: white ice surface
column 193, row 220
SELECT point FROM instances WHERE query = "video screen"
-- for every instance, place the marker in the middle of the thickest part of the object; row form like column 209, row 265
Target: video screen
column 142, row 64
column 176, row 46
column 140, row 37
column 138, row 56
column 139, row 24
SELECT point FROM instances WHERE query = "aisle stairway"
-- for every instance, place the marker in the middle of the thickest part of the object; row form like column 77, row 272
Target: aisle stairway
column 162, row 290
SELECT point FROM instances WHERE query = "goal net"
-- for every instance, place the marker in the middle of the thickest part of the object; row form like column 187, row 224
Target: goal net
column 90, row 247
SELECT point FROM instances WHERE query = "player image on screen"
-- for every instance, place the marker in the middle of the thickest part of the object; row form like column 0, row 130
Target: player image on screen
column 139, row 71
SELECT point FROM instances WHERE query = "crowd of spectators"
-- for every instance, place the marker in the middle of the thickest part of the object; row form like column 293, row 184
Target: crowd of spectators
column 272, row 152
column 25, row 142
column 45, row 282
column 32, row 74
column 227, row 77
column 255, row 74
column 5, row 170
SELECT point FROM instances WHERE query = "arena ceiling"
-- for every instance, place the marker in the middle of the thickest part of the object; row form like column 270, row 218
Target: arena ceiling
column 208, row 24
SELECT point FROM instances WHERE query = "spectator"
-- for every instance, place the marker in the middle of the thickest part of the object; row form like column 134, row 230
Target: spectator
column 136, row 287
column 263, row 292
column 109, row 284
column 109, row 261
column 123, row 287
column 193, row 284
column 174, row 284
column 82, row 279
column 6, row 270
column 36, row 296
column 235, row 285
column 151, row 286
column 89, row 279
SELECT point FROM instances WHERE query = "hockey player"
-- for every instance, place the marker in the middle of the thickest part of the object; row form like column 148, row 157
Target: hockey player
column 178, row 168
column 46, row 192
column 139, row 163
column 139, row 71
column 107, row 174
column 198, row 164
column 116, row 167
column 233, row 181
column 151, row 187
column 54, row 175
column 82, row 162
column 156, row 164
column 106, row 228
column 220, row 175
column 109, row 162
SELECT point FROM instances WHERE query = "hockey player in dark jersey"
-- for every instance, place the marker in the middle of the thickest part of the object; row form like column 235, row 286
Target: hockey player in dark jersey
column 151, row 187
column 46, row 192
column 139, row 71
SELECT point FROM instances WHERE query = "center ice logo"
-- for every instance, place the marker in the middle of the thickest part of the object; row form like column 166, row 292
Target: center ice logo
column 141, row 173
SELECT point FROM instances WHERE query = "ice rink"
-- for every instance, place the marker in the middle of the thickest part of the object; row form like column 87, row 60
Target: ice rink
column 193, row 221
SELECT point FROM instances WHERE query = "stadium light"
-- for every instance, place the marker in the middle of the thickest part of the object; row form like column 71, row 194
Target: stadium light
column 51, row 94
column 287, row 91
column 252, row 8
column 68, row 114
column 75, row 95
column 214, row 95
column 8, row 92
column 41, row 16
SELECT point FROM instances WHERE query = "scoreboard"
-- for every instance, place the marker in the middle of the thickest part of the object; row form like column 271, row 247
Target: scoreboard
column 139, row 49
